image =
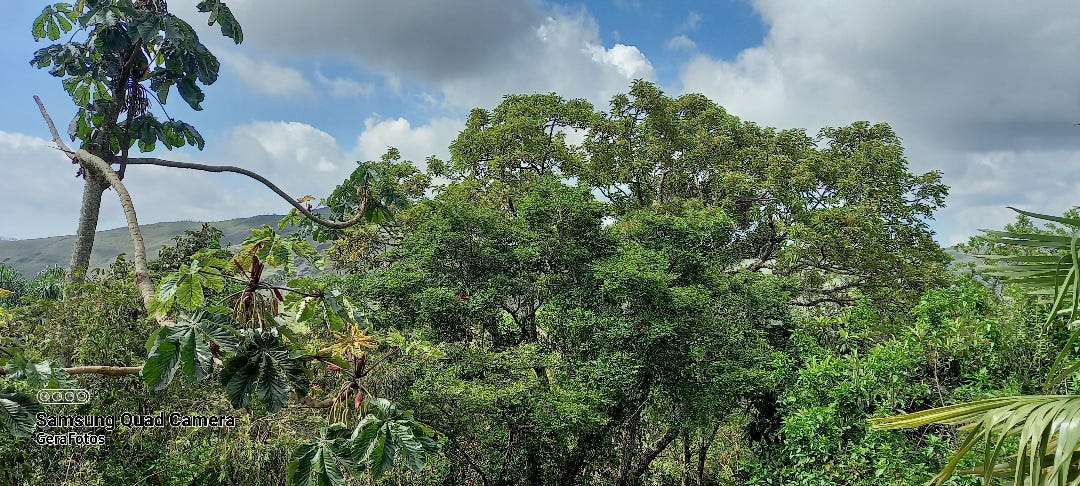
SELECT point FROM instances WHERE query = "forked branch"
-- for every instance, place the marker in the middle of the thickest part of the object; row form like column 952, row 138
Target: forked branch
column 92, row 162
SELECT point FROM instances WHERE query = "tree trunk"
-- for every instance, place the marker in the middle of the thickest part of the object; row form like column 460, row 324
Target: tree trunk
column 647, row 456
column 703, row 452
column 686, row 458
column 88, row 220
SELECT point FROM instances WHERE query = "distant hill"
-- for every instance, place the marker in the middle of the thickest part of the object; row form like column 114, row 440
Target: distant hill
column 29, row 256
column 959, row 256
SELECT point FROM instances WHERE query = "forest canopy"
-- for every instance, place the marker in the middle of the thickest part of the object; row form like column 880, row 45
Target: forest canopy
column 650, row 292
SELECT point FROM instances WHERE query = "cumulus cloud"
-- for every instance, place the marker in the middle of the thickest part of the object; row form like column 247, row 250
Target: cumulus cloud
column 989, row 85
column 416, row 143
column 467, row 53
column 563, row 54
column 266, row 77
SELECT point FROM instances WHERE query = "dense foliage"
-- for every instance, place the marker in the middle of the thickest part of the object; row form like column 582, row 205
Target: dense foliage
column 682, row 298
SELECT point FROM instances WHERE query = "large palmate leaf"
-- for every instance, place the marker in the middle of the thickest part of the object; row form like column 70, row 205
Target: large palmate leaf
column 387, row 433
column 1046, row 428
column 185, row 344
column 276, row 250
column 186, row 286
column 17, row 413
column 263, row 367
column 324, row 459
column 43, row 374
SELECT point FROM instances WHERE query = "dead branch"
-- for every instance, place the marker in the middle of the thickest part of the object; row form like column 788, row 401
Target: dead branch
column 254, row 175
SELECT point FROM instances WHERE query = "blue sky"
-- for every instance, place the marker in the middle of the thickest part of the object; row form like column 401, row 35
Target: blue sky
column 985, row 91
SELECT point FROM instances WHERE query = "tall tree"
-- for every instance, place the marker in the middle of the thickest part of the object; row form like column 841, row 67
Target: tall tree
column 840, row 212
column 121, row 55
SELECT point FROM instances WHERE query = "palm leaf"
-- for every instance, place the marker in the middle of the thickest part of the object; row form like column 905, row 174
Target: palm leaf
column 1047, row 427
column 1055, row 275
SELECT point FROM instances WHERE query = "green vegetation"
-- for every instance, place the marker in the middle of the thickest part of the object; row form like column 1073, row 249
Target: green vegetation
column 683, row 298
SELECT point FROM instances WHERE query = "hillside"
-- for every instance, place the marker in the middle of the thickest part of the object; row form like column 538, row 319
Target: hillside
column 29, row 256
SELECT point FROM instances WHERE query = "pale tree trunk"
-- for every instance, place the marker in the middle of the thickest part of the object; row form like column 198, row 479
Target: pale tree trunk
column 100, row 176
column 88, row 219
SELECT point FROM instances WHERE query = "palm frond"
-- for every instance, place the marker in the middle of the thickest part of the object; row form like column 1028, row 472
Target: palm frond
column 1047, row 427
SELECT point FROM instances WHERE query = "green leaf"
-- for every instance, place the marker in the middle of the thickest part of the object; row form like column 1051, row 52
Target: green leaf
column 325, row 467
column 146, row 26
column 82, row 94
column 299, row 473
column 238, row 376
column 189, row 292
column 17, row 412
column 38, row 374
column 191, row 93
column 185, row 344
column 161, row 364
column 264, row 367
column 325, row 458
column 38, row 29
column 221, row 14
column 166, row 293
column 53, row 29
column 386, row 433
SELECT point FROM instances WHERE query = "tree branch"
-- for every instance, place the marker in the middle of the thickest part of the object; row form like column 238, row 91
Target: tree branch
column 649, row 455
column 266, row 182
column 90, row 161
column 97, row 370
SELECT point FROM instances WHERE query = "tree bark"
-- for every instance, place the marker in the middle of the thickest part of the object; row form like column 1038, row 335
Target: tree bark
column 650, row 453
column 89, row 210
column 96, row 167
column 686, row 458
column 703, row 452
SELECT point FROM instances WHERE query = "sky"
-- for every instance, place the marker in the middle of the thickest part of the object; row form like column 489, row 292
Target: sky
column 986, row 91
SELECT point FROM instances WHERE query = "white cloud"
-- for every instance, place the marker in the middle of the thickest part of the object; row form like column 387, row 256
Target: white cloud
column 467, row 53
column 691, row 23
column 681, row 42
column 564, row 55
column 415, row 143
column 38, row 190
column 267, row 77
column 627, row 60
column 986, row 92
column 344, row 87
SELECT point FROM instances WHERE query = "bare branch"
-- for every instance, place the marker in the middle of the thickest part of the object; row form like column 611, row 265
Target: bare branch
column 90, row 161
column 266, row 182
column 98, row 370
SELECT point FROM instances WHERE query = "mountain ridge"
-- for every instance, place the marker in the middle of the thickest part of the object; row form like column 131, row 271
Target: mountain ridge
column 29, row 256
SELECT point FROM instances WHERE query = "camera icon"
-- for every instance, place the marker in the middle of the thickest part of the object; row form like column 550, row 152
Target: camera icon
column 63, row 396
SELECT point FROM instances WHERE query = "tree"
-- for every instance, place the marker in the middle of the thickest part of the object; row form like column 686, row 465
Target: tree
column 131, row 52
column 798, row 209
column 569, row 344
